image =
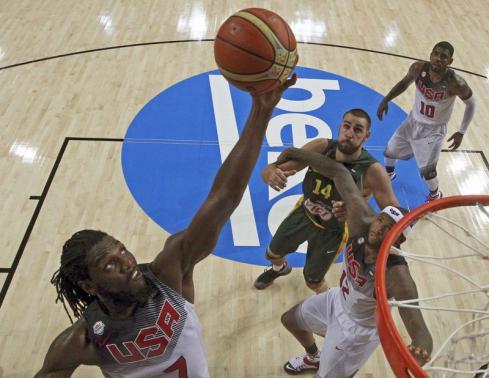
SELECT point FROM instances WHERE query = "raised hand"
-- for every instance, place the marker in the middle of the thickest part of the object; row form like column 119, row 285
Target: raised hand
column 271, row 98
column 277, row 178
column 339, row 210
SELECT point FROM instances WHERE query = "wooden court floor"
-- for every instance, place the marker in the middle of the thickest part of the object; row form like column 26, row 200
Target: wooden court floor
column 74, row 74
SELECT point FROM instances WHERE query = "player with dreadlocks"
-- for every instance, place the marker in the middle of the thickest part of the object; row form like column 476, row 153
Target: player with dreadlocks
column 138, row 320
column 74, row 269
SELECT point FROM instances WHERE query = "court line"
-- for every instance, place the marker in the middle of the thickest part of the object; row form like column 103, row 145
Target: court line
column 212, row 40
column 483, row 157
column 37, row 210
column 11, row 271
column 387, row 53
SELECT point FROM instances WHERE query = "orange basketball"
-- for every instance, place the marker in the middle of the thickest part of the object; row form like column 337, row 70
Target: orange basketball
column 255, row 50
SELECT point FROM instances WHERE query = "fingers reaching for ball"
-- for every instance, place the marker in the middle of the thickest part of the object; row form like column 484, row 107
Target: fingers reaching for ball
column 271, row 98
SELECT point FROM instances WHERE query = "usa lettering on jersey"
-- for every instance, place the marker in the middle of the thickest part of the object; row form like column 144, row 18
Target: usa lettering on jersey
column 150, row 341
column 354, row 267
column 428, row 92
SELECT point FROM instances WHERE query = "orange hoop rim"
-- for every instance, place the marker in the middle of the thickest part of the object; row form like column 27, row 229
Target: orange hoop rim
column 400, row 359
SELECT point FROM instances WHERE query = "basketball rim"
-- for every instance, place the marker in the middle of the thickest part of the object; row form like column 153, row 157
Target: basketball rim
column 400, row 359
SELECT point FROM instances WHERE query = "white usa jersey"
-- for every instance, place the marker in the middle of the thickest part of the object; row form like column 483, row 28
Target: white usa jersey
column 162, row 339
column 357, row 282
column 432, row 103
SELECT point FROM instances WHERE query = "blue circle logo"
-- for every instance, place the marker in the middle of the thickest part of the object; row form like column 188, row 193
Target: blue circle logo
column 177, row 142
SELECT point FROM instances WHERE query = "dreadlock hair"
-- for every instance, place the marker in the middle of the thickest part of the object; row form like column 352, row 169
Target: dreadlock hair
column 74, row 269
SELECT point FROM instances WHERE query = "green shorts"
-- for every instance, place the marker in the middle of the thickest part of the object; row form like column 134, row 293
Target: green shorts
column 323, row 247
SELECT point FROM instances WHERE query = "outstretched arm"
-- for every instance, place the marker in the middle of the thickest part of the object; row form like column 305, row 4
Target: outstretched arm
column 359, row 214
column 399, row 88
column 401, row 286
column 200, row 238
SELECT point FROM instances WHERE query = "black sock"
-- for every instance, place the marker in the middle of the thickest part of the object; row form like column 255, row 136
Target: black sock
column 312, row 349
column 389, row 169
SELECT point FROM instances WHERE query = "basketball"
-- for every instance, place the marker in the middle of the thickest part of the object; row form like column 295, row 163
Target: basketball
column 255, row 50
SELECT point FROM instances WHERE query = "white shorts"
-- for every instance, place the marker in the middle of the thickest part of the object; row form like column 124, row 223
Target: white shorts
column 347, row 345
column 417, row 139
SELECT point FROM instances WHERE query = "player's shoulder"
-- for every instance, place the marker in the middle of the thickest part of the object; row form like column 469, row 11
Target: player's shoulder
column 375, row 174
column 72, row 347
column 419, row 64
column 417, row 67
column 74, row 336
column 456, row 83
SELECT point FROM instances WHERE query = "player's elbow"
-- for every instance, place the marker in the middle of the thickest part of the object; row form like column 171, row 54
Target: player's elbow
column 340, row 175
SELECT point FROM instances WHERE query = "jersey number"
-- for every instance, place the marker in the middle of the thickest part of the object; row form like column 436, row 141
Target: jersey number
column 427, row 110
column 325, row 191
column 180, row 365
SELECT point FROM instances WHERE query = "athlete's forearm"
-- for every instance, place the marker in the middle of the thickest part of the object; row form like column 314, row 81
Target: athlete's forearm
column 468, row 114
column 231, row 181
column 401, row 286
column 416, row 328
column 322, row 164
column 234, row 174
column 342, row 178
column 396, row 91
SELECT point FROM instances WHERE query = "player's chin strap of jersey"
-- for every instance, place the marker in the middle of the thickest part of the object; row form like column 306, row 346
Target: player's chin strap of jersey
column 395, row 214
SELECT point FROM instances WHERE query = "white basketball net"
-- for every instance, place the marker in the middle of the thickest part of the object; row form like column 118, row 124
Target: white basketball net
column 453, row 286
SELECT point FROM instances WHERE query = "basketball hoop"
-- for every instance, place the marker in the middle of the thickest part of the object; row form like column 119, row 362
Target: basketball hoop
column 400, row 359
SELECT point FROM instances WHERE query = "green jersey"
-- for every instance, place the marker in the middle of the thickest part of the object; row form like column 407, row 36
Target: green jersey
column 319, row 190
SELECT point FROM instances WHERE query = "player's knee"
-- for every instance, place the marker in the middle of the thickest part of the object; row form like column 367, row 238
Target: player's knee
column 388, row 154
column 428, row 172
column 285, row 319
column 288, row 319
